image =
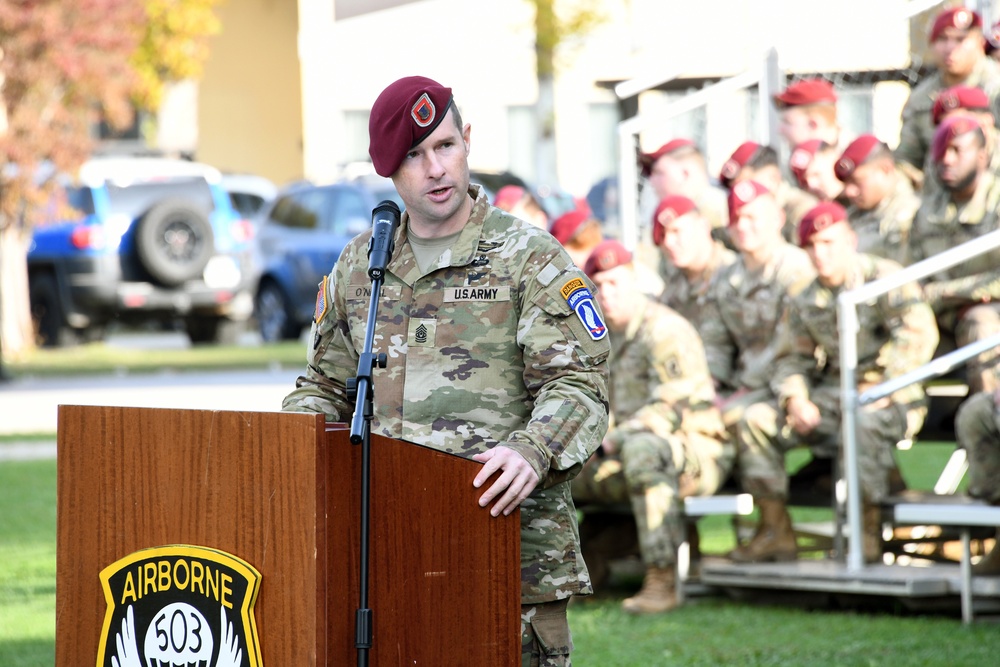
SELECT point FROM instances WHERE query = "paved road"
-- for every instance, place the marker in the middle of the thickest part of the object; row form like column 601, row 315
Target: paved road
column 30, row 405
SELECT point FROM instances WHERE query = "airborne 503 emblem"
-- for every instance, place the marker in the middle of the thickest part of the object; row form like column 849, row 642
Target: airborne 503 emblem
column 179, row 606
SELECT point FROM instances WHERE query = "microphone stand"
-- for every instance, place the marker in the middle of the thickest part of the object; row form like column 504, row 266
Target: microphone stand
column 360, row 390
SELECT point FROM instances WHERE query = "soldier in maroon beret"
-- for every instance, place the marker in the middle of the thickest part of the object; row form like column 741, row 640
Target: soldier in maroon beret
column 678, row 168
column 882, row 200
column 966, row 297
column 957, row 44
column 812, row 164
column 808, row 110
column 498, row 349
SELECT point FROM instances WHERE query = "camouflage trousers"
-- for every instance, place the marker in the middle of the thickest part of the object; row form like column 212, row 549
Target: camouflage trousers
column 959, row 328
column 977, row 429
column 653, row 474
column 763, row 436
column 545, row 636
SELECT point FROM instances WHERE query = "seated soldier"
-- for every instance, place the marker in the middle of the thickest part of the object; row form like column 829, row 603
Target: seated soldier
column 691, row 256
column 751, row 161
column 807, row 110
column 812, row 165
column 966, row 297
column 896, row 335
column 668, row 441
column 883, row 202
column 977, row 429
column 961, row 101
column 521, row 203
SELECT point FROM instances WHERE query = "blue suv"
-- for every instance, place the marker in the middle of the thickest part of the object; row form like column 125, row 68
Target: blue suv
column 299, row 238
column 155, row 240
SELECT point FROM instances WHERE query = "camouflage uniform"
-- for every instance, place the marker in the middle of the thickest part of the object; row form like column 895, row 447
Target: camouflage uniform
column 918, row 127
column 483, row 349
column 668, row 438
column 884, row 231
column 964, row 297
column 795, row 202
column 977, row 429
column 741, row 318
column 896, row 334
column 687, row 297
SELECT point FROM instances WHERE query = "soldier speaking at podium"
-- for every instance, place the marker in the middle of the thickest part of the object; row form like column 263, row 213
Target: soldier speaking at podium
column 497, row 350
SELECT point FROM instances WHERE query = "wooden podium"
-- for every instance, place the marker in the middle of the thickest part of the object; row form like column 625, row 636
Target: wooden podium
column 281, row 492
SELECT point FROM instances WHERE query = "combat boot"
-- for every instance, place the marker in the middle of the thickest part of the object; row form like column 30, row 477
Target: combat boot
column 871, row 533
column 774, row 540
column 989, row 565
column 658, row 593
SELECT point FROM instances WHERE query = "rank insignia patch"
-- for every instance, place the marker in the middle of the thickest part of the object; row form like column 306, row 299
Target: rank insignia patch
column 579, row 298
column 321, row 301
column 177, row 606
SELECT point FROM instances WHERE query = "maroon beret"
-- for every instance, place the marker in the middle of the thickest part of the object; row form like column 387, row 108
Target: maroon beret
column 742, row 194
column 736, row 162
column 855, row 154
column 607, row 255
column 819, row 218
column 955, row 17
column 670, row 208
column 802, row 156
column 508, row 196
column 403, row 115
column 806, row 91
column 565, row 226
column 647, row 159
column 959, row 97
column 947, row 131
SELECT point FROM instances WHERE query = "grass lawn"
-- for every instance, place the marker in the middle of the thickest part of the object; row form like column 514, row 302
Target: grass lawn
column 711, row 631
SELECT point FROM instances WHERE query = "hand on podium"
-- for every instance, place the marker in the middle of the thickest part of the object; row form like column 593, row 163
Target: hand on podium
column 516, row 481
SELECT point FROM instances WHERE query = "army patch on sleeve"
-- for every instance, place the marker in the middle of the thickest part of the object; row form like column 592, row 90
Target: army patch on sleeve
column 579, row 298
column 321, row 304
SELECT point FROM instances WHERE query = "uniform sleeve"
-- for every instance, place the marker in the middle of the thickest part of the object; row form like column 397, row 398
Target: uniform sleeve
column 330, row 357
column 680, row 383
column 720, row 348
column 565, row 372
column 913, row 332
column 795, row 358
column 976, row 288
column 912, row 148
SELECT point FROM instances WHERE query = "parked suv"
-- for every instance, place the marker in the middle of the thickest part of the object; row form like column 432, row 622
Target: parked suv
column 155, row 240
column 299, row 238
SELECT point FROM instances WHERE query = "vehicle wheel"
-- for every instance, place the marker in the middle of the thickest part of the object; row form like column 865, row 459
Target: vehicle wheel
column 174, row 241
column 275, row 314
column 202, row 330
column 46, row 312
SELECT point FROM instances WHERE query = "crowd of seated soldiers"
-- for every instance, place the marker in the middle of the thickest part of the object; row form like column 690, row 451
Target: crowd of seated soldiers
column 725, row 350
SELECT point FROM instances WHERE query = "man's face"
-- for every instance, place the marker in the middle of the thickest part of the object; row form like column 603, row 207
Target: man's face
column 433, row 179
column 870, row 184
column 832, row 251
column 957, row 51
column 616, row 293
column 820, row 179
column 686, row 238
column 667, row 176
column 757, row 225
column 796, row 126
column 962, row 162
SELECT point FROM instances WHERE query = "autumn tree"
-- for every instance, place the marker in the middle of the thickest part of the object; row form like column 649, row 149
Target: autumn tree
column 64, row 66
column 557, row 25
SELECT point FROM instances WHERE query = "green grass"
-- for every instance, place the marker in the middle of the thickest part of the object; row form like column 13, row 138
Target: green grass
column 99, row 358
column 706, row 631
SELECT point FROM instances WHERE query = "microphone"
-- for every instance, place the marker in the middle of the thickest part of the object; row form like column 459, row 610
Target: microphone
column 385, row 220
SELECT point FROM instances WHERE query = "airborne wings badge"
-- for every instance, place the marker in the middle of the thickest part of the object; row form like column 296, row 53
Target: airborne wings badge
column 579, row 298
column 177, row 606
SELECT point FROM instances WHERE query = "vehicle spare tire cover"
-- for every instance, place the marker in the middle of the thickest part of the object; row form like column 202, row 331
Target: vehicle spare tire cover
column 174, row 241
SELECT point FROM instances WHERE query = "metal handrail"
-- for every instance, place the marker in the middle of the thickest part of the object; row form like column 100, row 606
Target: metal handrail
column 847, row 317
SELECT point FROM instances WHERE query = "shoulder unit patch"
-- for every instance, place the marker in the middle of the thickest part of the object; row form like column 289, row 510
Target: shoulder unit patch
column 579, row 298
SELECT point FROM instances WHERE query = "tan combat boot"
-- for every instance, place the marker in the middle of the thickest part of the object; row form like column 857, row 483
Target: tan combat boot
column 774, row 540
column 989, row 565
column 871, row 533
column 658, row 593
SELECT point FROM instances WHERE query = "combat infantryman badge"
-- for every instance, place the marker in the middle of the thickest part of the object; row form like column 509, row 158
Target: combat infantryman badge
column 179, row 606
column 580, row 299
